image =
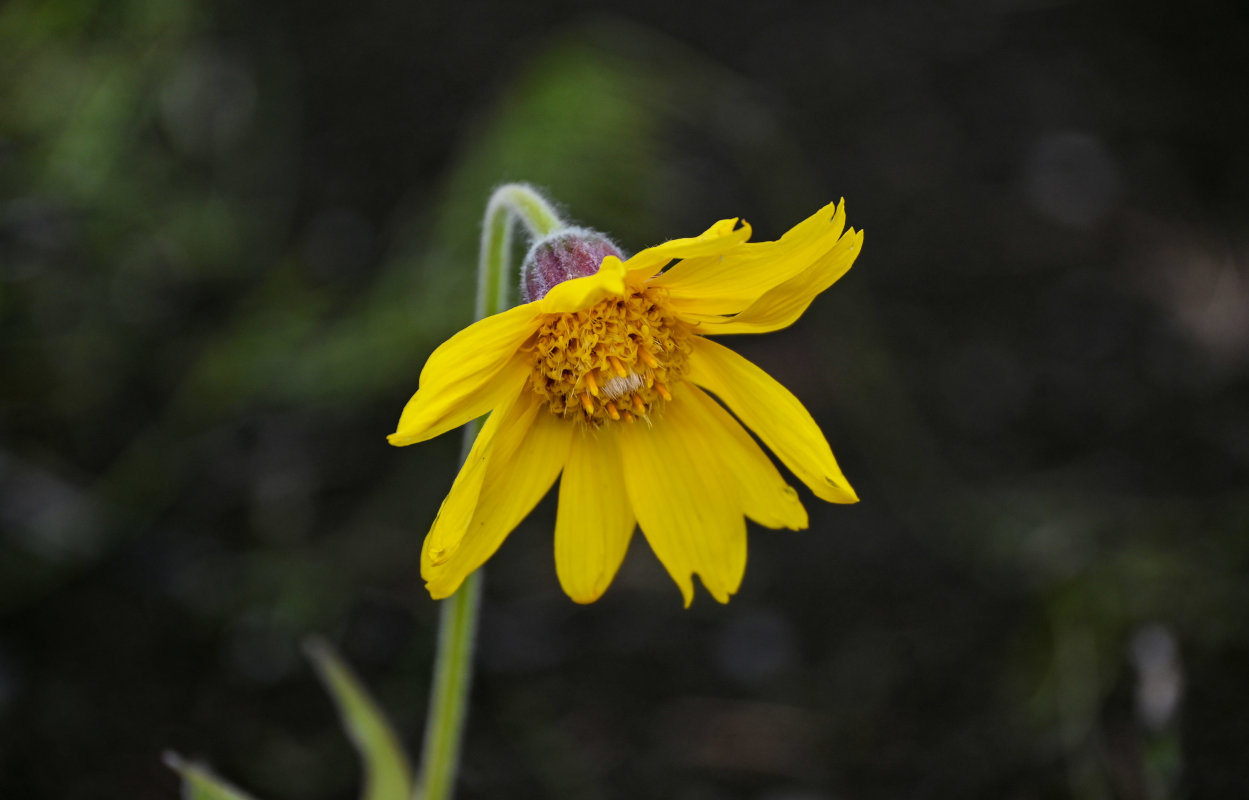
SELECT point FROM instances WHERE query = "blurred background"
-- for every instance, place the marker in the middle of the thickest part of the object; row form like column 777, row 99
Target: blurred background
column 231, row 233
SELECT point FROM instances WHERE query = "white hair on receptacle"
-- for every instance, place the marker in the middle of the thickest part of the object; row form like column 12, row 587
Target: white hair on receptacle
column 619, row 387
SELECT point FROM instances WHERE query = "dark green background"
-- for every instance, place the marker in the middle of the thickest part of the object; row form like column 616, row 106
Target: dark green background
column 231, row 232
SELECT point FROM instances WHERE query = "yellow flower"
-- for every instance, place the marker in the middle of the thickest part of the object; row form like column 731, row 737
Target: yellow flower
column 605, row 379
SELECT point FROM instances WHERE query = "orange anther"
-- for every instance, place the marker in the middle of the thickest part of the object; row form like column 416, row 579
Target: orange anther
column 647, row 358
column 591, row 384
column 587, row 403
column 663, row 391
column 638, row 404
column 627, row 416
column 612, row 411
column 616, row 365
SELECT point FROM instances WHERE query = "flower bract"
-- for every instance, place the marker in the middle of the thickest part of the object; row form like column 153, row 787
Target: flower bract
column 609, row 384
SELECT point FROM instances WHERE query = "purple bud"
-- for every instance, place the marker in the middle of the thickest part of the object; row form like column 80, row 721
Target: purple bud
column 564, row 255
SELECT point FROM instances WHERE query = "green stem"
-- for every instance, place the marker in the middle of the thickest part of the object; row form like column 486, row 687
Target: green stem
column 457, row 624
column 510, row 202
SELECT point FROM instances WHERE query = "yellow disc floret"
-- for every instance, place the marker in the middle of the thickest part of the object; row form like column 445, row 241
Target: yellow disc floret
column 613, row 361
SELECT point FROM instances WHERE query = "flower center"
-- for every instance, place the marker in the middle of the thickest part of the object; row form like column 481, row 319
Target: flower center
column 613, row 361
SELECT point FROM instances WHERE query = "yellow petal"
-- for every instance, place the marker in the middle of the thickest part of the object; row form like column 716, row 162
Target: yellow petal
column 595, row 521
column 729, row 285
column 719, row 238
column 686, row 504
column 782, row 305
column 765, row 496
column 503, row 430
column 580, row 293
column 772, row 412
column 468, row 375
column 522, row 465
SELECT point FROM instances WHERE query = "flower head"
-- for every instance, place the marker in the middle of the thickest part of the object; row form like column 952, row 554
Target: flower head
column 601, row 380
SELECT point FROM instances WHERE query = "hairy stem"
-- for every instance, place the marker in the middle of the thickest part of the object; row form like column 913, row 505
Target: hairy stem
column 457, row 625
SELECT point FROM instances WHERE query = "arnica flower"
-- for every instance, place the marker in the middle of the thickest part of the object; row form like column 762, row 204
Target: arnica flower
column 604, row 379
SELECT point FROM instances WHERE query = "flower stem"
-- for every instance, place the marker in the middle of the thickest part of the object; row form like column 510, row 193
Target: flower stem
column 457, row 624
column 510, row 202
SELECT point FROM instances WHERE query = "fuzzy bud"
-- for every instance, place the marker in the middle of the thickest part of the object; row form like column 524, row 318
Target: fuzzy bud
column 564, row 255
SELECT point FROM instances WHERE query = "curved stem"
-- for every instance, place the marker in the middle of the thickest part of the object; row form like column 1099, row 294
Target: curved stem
column 510, row 202
column 457, row 623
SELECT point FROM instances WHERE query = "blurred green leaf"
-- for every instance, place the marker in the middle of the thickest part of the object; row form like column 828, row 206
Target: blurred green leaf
column 199, row 783
column 387, row 775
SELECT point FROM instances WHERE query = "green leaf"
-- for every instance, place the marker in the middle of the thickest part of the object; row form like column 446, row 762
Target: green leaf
column 387, row 775
column 199, row 783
